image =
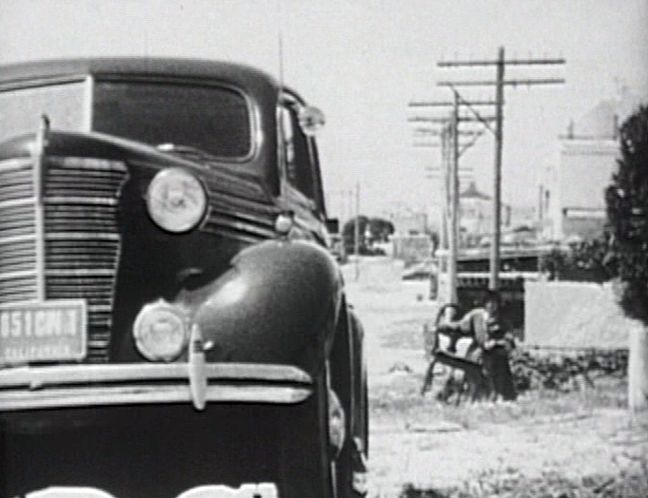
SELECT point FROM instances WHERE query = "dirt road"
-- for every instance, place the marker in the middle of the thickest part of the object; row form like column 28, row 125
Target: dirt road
column 585, row 437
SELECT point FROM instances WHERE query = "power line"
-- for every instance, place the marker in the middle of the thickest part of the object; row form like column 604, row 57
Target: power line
column 450, row 173
column 500, row 64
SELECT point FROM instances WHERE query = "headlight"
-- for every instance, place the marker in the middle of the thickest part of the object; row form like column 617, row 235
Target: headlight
column 160, row 332
column 176, row 200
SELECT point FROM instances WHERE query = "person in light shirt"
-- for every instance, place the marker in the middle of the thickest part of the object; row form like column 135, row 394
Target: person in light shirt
column 492, row 344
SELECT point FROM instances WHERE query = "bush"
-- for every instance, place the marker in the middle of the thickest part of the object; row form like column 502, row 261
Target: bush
column 557, row 370
column 627, row 210
column 370, row 231
column 588, row 261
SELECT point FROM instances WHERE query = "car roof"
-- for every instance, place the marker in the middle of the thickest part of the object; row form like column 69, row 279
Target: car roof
column 238, row 74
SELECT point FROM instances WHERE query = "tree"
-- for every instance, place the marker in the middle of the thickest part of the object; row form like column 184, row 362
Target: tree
column 370, row 230
column 380, row 229
column 627, row 210
column 348, row 234
column 588, row 261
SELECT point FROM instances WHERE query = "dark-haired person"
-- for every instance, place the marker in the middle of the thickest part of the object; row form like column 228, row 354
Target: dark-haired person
column 491, row 341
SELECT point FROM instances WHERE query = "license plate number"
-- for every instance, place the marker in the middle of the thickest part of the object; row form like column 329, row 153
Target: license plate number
column 45, row 331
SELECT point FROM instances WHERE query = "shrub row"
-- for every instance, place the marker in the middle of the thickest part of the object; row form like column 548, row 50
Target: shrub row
column 564, row 370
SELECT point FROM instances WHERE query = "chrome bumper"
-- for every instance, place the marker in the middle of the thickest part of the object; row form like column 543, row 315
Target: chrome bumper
column 27, row 388
column 263, row 490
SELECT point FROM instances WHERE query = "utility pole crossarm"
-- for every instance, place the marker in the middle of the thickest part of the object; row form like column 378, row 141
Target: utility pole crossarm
column 462, row 145
column 514, row 62
column 537, row 81
column 473, row 103
column 434, row 119
column 435, row 132
column 499, row 83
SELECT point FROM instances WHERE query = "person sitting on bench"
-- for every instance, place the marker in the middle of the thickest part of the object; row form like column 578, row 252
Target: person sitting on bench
column 490, row 342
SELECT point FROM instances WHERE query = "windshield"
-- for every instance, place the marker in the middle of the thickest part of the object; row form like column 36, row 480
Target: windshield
column 211, row 118
column 62, row 103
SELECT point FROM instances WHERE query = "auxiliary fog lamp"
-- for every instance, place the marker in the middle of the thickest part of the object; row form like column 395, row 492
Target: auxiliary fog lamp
column 160, row 331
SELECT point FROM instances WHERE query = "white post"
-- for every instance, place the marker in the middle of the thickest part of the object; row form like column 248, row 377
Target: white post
column 638, row 370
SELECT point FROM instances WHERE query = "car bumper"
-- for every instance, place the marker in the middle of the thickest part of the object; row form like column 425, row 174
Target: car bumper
column 43, row 387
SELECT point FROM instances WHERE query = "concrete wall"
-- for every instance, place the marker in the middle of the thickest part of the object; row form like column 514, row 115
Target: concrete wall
column 574, row 314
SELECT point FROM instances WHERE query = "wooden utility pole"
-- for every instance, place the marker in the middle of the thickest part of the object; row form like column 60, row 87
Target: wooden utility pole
column 451, row 150
column 494, row 265
column 453, row 163
column 500, row 64
column 445, row 193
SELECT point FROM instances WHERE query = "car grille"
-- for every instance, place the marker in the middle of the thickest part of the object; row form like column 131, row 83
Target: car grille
column 240, row 210
column 80, row 237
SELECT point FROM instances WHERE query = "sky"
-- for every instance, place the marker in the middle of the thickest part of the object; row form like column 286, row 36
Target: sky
column 362, row 61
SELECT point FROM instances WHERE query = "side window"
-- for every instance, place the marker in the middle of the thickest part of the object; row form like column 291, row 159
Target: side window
column 298, row 169
column 287, row 146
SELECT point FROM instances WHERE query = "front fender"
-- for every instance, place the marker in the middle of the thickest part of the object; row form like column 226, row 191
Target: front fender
column 277, row 303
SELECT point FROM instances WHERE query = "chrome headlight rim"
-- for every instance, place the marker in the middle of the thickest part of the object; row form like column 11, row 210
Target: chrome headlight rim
column 175, row 177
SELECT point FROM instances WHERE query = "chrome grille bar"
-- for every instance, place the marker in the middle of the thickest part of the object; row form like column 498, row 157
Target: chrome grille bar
column 17, row 219
column 38, row 177
column 17, row 231
column 66, row 246
column 17, row 256
column 18, row 288
column 82, row 243
column 16, row 179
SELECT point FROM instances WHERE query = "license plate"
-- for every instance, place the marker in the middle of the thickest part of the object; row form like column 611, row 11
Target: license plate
column 44, row 331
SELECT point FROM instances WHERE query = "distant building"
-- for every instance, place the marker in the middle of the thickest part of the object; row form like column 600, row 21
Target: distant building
column 572, row 201
column 412, row 248
column 411, row 241
column 410, row 223
column 476, row 215
column 584, row 171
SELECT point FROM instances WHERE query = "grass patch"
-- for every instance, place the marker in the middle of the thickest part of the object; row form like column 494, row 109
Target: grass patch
column 404, row 334
column 400, row 399
column 511, row 484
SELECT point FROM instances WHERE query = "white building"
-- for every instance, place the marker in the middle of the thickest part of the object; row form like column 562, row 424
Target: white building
column 572, row 204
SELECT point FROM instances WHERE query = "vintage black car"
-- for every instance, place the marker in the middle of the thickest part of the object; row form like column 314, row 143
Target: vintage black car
column 171, row 320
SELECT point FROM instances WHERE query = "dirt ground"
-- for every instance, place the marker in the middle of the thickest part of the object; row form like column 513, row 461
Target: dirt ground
column 583, row 443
